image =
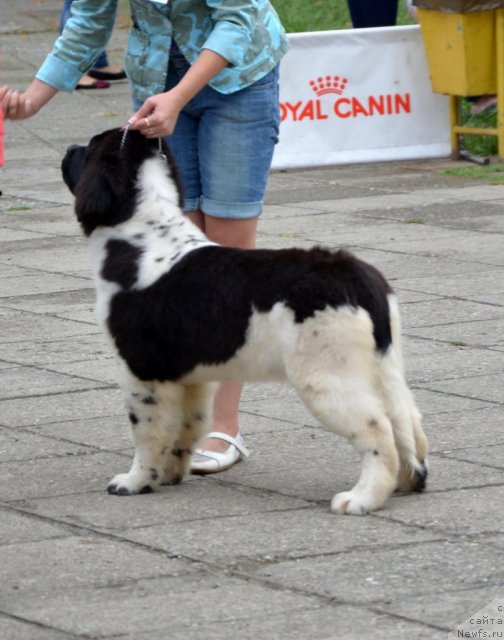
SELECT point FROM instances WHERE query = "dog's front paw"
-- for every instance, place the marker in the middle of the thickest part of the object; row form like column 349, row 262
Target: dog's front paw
column 350, row 502
column 129, row 484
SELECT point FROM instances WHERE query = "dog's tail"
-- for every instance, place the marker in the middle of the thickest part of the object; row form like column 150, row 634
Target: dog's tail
column 406, row 420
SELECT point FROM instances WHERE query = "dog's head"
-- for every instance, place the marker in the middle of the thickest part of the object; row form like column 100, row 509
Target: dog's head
column 103, row 176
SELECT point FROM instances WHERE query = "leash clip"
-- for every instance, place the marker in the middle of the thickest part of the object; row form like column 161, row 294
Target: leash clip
column 160, row 149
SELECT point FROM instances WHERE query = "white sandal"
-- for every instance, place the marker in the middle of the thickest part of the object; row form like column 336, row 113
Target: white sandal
column 203, row 461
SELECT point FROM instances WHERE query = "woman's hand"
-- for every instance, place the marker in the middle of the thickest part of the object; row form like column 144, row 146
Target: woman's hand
column 158, row 115
column 15, row 105
column 18, row 106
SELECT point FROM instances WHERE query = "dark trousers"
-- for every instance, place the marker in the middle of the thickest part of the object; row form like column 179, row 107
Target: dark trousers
column 373, row 13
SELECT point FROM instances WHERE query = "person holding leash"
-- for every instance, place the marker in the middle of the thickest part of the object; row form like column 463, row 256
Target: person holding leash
column 204, row 74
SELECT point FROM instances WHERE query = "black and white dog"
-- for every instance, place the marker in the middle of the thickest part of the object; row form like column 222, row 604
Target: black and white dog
column 183, row 313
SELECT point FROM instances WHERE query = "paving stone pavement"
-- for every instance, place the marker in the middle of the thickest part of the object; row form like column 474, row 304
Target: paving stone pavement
column 253, row 552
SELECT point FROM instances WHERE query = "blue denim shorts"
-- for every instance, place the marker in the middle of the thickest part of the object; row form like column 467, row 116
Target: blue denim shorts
column 223, row 145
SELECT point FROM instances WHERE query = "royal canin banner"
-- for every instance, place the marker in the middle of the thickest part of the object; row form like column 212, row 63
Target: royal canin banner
column 1, row 138
column 360, row 95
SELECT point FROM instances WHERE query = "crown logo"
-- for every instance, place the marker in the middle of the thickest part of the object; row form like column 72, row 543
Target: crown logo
column 328, row 84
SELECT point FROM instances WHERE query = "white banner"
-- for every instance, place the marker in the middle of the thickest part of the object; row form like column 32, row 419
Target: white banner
column 360, row 95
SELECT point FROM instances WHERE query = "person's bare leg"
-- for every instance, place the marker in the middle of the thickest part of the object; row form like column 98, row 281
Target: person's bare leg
column 225, row 415
column 232, row 232
column 229, row 232
column 198, row 218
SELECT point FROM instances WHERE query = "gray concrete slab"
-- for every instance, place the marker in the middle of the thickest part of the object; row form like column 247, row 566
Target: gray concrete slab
column 135, row 605
column 54, row 352
column 189, row 503
column 421, row 568
column 489, row 455
column 17, row 528
column 463, row 605
column 111, row 433
column 282, row 536
column 252, row 552
column 33, row 410
column 21, row 446
column 60, row 474
column 484, row 426
column 467, row 387
column 458, row 514
column 455, row 362
column 15, row 380
column 481, row 285
column 320, row 479
column 350, row 622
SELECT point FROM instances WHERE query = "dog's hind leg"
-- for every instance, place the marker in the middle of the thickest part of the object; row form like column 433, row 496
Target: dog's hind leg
column 404, row 415
column 156, row 412
column 406, row 421
column 198, row 400
column 334, row 368
column 358, row 416
column 414, row 478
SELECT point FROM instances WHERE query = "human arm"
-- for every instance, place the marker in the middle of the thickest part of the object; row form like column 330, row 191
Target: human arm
column 83, row 38
column 19, row 105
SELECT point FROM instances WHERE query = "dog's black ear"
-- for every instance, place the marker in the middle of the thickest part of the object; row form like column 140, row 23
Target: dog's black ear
column 72, row 164
column 105, row 193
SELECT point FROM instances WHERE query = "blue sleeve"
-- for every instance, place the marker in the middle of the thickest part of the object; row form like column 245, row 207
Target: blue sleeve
column 84, row 37
column 234, row 22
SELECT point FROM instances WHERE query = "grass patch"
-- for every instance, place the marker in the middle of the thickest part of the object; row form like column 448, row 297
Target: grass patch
column 414, row 221
column 299, row 15
column 20, row 207
column 484, row 146
column 317, row 15
column 460, row 344
column 323, row 15
column 492, row 173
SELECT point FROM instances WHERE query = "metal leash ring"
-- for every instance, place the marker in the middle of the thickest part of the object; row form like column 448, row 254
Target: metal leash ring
column 160, row 148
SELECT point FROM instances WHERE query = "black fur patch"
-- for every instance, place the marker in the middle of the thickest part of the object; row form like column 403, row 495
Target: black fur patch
column 197, row 314
column 121, row 263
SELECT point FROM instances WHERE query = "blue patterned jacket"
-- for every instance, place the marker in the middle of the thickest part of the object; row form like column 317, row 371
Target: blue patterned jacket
column 247, row 33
